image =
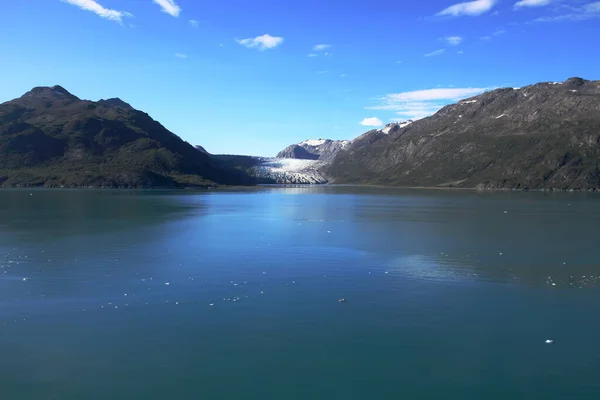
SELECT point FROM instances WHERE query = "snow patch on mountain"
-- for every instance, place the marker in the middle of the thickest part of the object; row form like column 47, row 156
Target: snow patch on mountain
column 314, row 142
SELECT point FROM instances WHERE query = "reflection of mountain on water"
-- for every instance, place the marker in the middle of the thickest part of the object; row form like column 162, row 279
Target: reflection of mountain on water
column 49, row 215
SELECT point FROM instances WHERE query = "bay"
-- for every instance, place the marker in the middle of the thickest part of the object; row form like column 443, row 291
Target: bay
column 234, row 294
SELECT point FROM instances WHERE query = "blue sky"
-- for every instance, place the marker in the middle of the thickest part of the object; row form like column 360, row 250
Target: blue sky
column 251, row 77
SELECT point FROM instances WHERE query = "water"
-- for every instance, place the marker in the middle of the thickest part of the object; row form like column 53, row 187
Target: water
column 235, row 294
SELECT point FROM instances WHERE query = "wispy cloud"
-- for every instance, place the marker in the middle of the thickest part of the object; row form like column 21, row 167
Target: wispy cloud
column 592, row 7
column 581, row 13
column 262, row 42
column 471, row 8
column 532, row 3
column 169, row 6
column 423, row 103
column 322, row 72
column 313, row 55
column 180, row 55
column 436, row 53
column 460, row 52
column 452, row 40
column 96, row 8
column 373, row 121
column 321, row 47
column 194, row 23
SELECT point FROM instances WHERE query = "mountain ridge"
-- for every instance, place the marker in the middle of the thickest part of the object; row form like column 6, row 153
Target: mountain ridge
column 49, row 137
column 542, row 136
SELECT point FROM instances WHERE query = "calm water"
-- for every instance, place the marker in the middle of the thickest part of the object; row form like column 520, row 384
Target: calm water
column 234, row 295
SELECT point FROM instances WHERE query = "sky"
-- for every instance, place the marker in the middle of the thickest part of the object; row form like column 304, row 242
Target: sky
column 252, row 77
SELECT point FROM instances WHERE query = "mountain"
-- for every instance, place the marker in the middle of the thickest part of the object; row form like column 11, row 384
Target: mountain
column 320, row 149
column 49, row 137
column 543, row 136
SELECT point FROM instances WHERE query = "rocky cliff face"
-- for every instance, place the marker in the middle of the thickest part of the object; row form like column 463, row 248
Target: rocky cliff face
column 541, row 136
column 323, row 150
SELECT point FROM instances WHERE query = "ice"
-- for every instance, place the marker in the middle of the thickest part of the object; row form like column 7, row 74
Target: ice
column 468, row 102
column 500, row 116
column 549, row 341
column 290, row 170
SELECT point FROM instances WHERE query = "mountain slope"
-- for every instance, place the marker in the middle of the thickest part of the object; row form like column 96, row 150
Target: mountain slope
column 49, row 137
column 538, row 137
column 321, row 149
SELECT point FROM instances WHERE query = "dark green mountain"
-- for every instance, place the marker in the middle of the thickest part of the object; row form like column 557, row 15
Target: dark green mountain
column 49, row 137
column 544, row 136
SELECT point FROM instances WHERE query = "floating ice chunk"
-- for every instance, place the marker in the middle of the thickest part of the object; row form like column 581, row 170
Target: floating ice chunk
column 25, row 279
column 211, row 304
column 549, row 341
column 167, row 283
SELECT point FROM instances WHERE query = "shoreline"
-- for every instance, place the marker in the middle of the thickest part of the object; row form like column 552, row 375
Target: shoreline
column 299, row 185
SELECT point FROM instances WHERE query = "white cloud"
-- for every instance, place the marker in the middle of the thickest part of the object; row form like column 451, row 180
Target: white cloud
column 587, row 11
column 321, row 47
column 322, row 72
column 471, row 8
column 423, row 103
column 532, row 3
column 342, row 75
column 180, row 55
column 460, row 52
column 452, row 40
column 373, row 121
column 169, row 6
column 194, row 23
column 592, row 7
column 262, row 42
column 96, row 8
column 313, row 55
column 435, row 53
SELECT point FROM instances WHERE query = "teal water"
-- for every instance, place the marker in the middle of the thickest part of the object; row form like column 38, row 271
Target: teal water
column 234, row 294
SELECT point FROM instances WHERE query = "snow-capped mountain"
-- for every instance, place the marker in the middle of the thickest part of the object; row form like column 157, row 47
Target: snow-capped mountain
column 323, row 150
